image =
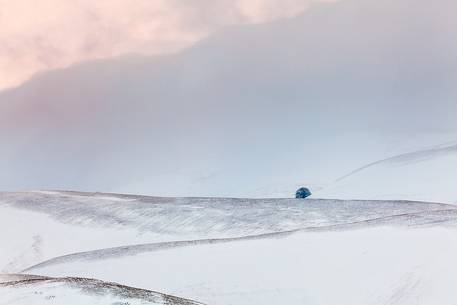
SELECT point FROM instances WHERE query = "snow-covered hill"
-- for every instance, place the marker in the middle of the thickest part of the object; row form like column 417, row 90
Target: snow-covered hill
column 366, row 266
column 421, row 175
column 225, row 251
column 252, row 111
column 42, row 222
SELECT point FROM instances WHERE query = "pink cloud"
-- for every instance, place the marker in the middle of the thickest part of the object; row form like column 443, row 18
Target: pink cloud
column 48, row 34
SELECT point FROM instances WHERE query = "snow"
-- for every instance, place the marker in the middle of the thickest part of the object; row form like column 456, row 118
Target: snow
column 5, row 278
column 368, row 266
column 42, row 222
column 225, row 251
column 426, row 175
column 77, row 291
column 190, row 124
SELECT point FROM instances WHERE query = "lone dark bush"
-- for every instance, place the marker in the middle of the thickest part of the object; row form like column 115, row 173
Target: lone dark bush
column 302, row 192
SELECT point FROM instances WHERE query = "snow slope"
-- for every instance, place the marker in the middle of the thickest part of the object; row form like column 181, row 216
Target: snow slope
column 41, row 222
column 78, row 291
column 427, row 175
column 381, row 265
column 226, row 251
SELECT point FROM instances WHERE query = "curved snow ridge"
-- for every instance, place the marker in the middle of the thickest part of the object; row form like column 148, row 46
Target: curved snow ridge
column 446, row 217
column 425, row 175
column 36, row 289
column 407, row 158
column 6, row 278
column 197, row 218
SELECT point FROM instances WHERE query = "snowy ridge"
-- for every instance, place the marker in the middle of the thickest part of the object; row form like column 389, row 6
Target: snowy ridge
column 446, row 218
column 407, row 158
column 7, row 278
column 421, row 175
column 70, row 290
column 374, row 265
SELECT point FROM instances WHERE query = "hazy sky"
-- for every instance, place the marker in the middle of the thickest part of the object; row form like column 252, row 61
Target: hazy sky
column 47, row 34
column 251, row 108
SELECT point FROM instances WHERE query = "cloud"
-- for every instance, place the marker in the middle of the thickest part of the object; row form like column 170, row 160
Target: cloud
column 48, row 34
column 263, row 108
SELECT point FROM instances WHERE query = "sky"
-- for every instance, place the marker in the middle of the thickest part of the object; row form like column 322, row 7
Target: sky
column 292, row 95
column 41, row 35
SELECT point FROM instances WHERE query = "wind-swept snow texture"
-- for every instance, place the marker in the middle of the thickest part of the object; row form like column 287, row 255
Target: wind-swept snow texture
column 224, row 251
column 80, row 291
column 51, row 224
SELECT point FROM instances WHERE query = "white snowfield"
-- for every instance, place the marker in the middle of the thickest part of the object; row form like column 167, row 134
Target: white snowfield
column 51, row 224
column 426, row 175
column 224, row 251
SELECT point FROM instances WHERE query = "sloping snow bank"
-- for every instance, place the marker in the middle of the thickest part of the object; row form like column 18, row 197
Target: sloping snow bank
column 381, row 265
column 427, row 175
column 77, row 291
column 38, row 226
